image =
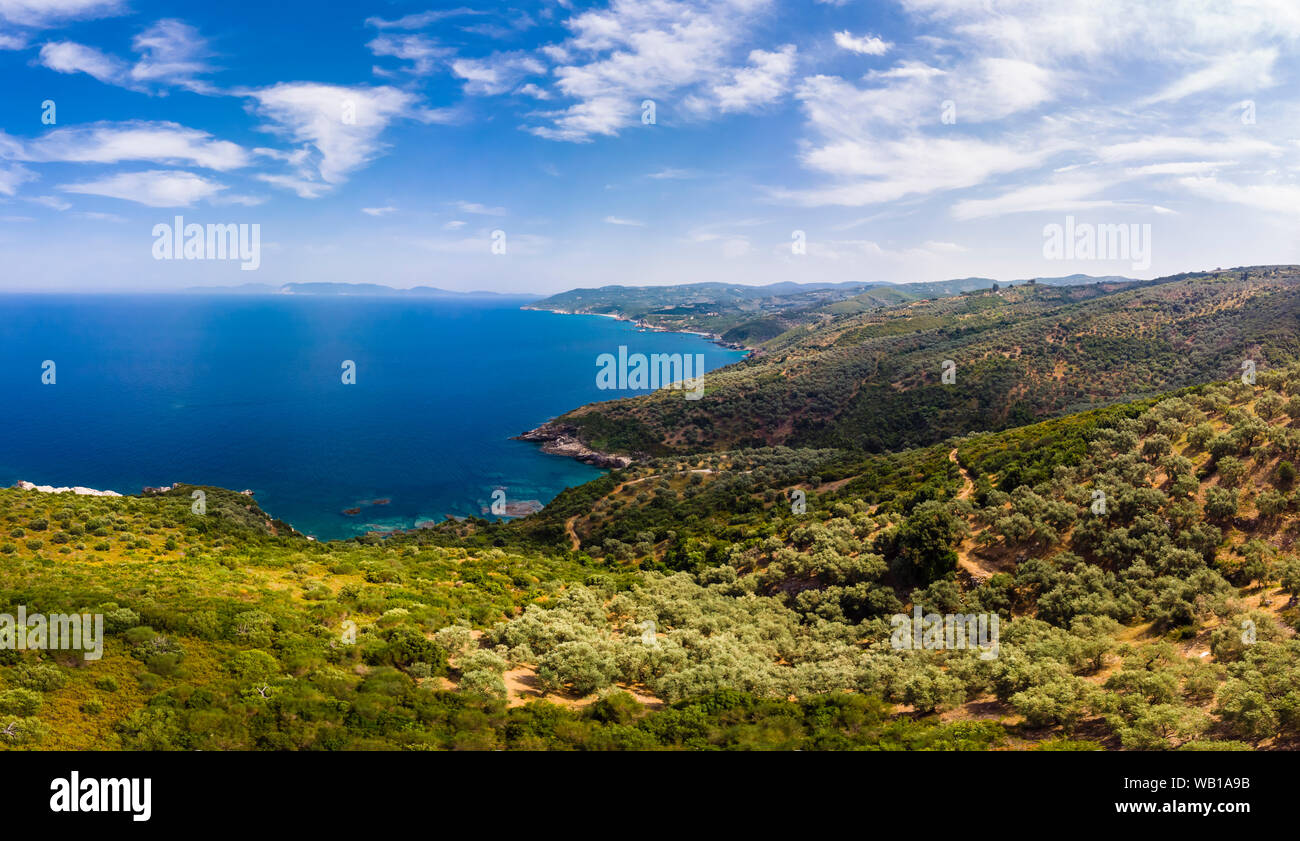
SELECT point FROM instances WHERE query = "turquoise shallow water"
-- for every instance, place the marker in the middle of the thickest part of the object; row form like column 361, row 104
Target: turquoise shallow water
column 246, row 392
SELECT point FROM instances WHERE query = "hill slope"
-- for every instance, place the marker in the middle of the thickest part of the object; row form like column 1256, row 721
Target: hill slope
column 873, row 380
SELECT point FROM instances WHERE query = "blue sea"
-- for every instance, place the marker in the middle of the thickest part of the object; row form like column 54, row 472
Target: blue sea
column 247, row 392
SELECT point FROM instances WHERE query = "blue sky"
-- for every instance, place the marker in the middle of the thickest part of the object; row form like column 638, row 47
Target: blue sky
column 908, row 140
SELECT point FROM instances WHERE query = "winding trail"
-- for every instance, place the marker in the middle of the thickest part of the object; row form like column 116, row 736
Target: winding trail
column 968, row 487
column 972, row 565
column 574, row 543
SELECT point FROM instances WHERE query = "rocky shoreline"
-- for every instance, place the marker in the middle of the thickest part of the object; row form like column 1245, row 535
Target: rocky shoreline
column 561, row 440
column 50, row 489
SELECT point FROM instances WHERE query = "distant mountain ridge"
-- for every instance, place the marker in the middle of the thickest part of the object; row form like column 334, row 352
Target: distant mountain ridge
column 707, row 290
column 746, row 316
column 724, row 291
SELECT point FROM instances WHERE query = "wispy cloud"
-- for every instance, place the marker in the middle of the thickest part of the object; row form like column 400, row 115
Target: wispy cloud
column 52, row 202
column 340, row 126
column 422, row 52
column 481, row 209
column 45, row 13
column 155, row 188
column 12, row 176
column 71, row 57
column 171, row 54
column 421, row 19
column 167, row 143
column 497, row 73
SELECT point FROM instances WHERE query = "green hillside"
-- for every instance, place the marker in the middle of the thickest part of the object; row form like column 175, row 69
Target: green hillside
column 873, row 381
column 768, row 628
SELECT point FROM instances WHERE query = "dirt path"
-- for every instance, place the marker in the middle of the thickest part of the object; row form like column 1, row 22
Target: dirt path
column 973, row 565
column 574, row 543
column 968, row 487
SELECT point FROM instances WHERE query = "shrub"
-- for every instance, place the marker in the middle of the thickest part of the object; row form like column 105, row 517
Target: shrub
column 22, row 702
column 42, row 678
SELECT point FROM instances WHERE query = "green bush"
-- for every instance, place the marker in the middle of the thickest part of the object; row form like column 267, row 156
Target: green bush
column 21, row 702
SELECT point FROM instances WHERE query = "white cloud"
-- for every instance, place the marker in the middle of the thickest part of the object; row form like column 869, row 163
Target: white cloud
column 155, row 188
column 172, row 53
column 1161, row 146
column 664, row 50
column 421, row 19
column 378, row 211
column 614, row 220
column 864, row 45
column 52, row 202
column 534, row 91
column 340, row 125
column 883, row 139
column 421, row 51
column 12, row 176
column 481, row 209
column 304, row 187
column 44, row 13
column 1244, row 72
column 168, row 143
column 1060, row 196
column 71, row 57
column 764, row 81
column 1177, row 168
column 1281, row 199
column 918, row 165
column 497, row 73
column 873, row 152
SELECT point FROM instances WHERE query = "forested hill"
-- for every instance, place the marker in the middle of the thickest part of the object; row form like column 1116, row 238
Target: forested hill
column 686, row 603
column 874, row 380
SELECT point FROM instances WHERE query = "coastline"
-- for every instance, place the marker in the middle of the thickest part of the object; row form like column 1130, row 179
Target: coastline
column 713, row 338
column 558, row 439
column 23, row 485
